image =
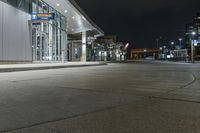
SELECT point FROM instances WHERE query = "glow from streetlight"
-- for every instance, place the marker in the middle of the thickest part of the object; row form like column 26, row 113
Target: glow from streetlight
column 193, row 33
column 126, row 46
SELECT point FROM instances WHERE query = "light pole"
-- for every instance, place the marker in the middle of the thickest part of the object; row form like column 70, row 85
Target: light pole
column 172, row 45
column 180, row 40
column 157, row 41
column 164, row 52
column 192, row 47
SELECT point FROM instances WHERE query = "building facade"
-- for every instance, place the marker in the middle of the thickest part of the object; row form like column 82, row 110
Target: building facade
column 38, row 30
column 192, row 37
column 142, row 53
column 108, row 49
column 197, row 37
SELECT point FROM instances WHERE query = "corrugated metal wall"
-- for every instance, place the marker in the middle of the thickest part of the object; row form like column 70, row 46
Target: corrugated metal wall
column 1, row 31
column 15, row 44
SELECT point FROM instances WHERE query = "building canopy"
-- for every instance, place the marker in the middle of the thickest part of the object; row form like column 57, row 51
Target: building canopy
column 78, row 21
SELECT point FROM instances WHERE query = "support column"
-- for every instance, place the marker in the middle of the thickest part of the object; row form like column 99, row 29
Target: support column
column 83, row 56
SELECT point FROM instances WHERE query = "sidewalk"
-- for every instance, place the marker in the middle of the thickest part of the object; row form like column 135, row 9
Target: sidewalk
column 42, row 66
column 164, row 61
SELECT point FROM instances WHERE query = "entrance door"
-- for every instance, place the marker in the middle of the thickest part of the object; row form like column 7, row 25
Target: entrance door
column 49, row 43
column 40, row 47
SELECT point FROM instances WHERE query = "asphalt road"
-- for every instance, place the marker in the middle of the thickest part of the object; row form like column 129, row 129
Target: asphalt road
column 118, row 98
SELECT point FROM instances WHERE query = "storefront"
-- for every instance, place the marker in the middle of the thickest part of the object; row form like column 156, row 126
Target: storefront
column 36, row 30
column 49, row 33
column 74, row 50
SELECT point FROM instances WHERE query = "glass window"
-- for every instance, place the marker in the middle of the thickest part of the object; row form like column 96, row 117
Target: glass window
column 45, row 8
column 12, row 2
column 40, row 9
column 34, row 6
column 24, row 5
column 20, row 4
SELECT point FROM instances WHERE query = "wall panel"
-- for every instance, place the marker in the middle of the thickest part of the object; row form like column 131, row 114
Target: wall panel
column 16, row 38
column 1, row 30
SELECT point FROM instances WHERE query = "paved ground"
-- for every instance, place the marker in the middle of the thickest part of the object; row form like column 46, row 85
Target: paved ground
column 116, row 98
column 43, row 66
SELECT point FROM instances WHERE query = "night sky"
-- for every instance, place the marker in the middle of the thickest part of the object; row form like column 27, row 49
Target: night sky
column 140, row 22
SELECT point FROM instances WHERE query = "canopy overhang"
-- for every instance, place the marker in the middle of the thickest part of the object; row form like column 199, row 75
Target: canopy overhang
column 78, row 21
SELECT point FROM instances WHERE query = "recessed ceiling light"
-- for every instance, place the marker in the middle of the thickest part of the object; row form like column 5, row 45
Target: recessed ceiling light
column 65, row 11
column 79, row 23
column 73, row 17
column 72, row 29
column 57, row 4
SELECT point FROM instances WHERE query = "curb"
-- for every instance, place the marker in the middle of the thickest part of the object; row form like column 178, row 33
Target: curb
column 17, row 69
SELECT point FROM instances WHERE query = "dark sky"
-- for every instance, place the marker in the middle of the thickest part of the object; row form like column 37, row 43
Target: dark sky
column 140, row 22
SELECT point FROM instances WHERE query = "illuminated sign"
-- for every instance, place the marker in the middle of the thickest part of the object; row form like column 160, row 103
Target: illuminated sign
column 43, row 16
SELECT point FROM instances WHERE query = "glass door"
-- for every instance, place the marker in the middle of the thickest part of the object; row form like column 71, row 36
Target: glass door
column 40, row 48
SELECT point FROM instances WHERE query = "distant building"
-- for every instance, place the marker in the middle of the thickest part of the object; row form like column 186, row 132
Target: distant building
column 190, row 27
column 142, row 53
column 197, row 37
column 197, row 25
column 193, row 39
column 108, row 49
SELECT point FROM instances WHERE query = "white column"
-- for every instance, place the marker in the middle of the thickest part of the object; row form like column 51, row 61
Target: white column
column 64, row 46
column 83, row 56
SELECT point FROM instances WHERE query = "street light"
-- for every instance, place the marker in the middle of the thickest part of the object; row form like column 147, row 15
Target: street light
column 157, row 42
column 172, row 45
column 180, row 40
column 193, row 33
column 192, row 46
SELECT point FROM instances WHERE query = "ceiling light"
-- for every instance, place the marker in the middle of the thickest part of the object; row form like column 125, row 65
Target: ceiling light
column 73, row 17
column 79, row 23
column 57, row 4
column 65, row 11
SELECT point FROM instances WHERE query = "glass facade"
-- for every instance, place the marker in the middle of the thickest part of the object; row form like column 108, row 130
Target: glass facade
column 74, row 50
column 49, row 38
column 25, row 5
column 48, row 33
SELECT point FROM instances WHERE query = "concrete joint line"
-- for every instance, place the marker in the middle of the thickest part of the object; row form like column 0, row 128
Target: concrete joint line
column 186, row 85
column 65, row 118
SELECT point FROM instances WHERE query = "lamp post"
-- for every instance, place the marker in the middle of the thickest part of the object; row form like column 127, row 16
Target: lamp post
column 172, row 45
column 192, row 47
column 180, row 40
column 157, row 42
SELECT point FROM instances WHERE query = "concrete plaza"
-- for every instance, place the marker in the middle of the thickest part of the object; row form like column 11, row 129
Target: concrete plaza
column 42, row 66
column 141, row 97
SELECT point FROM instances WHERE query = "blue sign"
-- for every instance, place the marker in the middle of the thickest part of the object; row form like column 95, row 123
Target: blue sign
column 43, row 16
